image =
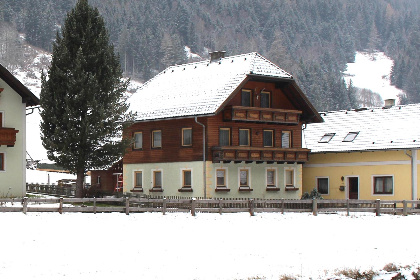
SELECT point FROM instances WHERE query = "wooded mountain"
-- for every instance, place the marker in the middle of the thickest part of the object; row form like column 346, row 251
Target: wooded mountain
column 313, row 40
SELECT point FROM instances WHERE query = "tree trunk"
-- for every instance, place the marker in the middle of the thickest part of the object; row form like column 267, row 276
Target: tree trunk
column 79, row 184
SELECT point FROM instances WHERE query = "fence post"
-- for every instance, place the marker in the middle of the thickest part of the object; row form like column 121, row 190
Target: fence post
column 282, row 205
column 404, row 208
column 127, row 205
column 348, row 207
column 25, row 205
column 94, row 205
column 164, row 206
column 220, row 207
column 378, row 207
column 315, row 207
column 193, row 206
column 60, row 208
column 251, row 207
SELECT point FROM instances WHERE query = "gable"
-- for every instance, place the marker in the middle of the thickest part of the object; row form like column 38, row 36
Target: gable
column 27, row 96
column 204, row 88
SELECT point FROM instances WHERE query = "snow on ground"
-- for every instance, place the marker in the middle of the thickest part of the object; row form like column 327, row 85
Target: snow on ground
column 372, row 71
column 208, row 246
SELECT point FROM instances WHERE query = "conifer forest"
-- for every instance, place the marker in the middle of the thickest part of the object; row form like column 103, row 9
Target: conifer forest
column 312, row 40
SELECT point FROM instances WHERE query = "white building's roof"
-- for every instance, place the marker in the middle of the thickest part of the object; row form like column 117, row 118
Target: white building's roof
column 397, row 127
column 198, row 88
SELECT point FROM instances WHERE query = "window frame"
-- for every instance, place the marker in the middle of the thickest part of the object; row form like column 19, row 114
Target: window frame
column 317, row 179
column 272, row 137
column 326, row 138
column 353, row 136
column 2, row 162
column 289, row 132
column 374, row 177
column 269, row 98
column 223, row 187
column 229, row 134
column 156, row 188
column 98, row 180
column 250, row 97
column 153, row 139
column 248, row 138
column 247, row 186
column 271, row 187
column 183, row 137
column 136, row 185
column 134, row 138
column 293, row 185
column 184, row 185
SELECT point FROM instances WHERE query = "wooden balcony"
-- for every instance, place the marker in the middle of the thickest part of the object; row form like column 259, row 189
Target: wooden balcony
column 8, row 136
column 264, row 115
column 255, row 154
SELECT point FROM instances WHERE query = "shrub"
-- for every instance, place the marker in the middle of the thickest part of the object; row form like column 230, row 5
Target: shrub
column 391, row 267
column 314, row 194
column 356, row 274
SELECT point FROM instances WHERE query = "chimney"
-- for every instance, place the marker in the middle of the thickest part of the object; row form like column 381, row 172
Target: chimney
column 389, row 103
column 215, row 56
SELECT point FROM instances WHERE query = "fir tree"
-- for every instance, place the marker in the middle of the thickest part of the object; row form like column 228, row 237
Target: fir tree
column 83, row 99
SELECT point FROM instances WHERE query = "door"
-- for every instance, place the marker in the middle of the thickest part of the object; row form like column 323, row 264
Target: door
column 353, row 183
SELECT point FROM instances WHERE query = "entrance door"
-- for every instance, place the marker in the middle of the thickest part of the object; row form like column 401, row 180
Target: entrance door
column 353, row 187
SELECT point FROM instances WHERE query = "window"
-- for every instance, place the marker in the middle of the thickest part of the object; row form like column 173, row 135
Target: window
column 244, row 178
column 186, row 179
column 383, row 184
column 2, row 162
column 289, row 177
column 156, row 139
column 187, row 136
column 322, row 185
column 350, row 136
column 285, row 139
column 157, row 179
column 246, row 98
column 224, row 137
column 244, row 137
column 265, row 99
column 271, row 178
column 98, row 180
column 138, row 140
column 138, row 179
column 268, row 138
column 326, row 138
column 221, row 178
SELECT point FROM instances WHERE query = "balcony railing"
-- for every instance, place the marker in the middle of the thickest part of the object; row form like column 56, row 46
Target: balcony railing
column 266, row 115
column 255, row 154
column 8, row 136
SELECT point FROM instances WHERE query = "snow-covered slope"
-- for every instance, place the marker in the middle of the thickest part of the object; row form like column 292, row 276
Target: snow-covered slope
column 372, row 71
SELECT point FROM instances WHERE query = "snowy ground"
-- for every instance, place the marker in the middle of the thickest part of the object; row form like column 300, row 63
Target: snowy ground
column 372, row 71
column 208, row 246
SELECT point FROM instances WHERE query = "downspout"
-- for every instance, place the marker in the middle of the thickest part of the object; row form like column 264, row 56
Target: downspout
column 413, row 158
column 204, row 157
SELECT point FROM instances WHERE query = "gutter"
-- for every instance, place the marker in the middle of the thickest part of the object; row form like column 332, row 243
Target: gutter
column 413, row 158
column 204, row 158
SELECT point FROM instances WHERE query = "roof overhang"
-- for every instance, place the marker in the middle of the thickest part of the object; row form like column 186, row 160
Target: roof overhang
column 27, row 96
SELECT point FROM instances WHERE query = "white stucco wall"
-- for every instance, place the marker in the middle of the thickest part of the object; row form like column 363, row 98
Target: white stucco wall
column 172, row 179
column 12, row 179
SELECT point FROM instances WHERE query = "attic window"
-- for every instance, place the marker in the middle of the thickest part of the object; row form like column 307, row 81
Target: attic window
column 350, row 136
column 326, row 138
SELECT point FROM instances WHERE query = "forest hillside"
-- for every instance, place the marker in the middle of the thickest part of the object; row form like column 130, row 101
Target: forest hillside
column 313, row 40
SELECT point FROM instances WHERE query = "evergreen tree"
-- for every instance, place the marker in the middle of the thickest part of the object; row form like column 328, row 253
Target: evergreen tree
column 83, row 100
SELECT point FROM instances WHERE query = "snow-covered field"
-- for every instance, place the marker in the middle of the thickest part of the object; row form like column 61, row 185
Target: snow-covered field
column 207, row 246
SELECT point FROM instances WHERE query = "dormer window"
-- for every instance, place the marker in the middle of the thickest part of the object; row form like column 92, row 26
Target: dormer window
column 326, row 138
column 350, row 136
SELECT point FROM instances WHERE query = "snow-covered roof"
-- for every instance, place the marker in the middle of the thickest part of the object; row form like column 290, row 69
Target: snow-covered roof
column 397, row 127
column 198, row 88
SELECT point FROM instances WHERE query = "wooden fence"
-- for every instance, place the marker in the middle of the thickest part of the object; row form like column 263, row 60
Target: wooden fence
column 164, row 205
column 51, row 190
